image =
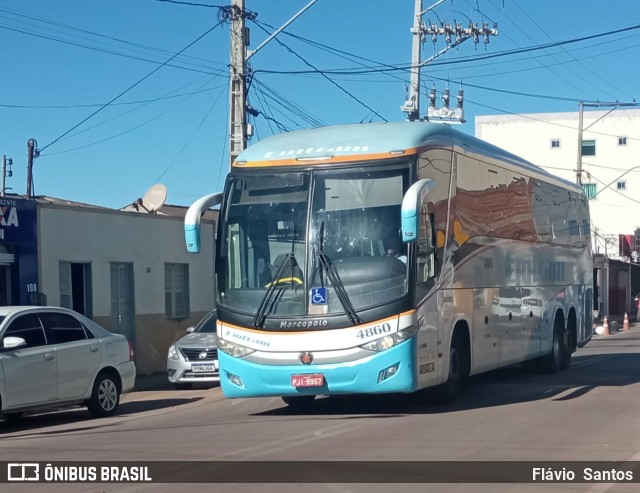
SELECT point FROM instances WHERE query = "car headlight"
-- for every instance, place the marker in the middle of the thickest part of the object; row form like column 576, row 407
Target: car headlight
column 233, row 349
column 173, row 352
column 391, row 340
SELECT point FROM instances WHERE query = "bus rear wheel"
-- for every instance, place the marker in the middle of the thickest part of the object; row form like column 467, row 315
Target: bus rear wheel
column 560, row 356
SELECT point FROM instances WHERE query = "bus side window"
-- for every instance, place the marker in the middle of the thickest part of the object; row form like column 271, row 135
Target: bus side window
column 426, row 251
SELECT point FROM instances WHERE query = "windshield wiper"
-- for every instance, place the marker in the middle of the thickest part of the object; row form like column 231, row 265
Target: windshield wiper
column 261, row 313
column 329, row 267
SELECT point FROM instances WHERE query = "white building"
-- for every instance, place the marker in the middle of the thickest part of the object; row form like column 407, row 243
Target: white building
column 128, row 271
column 610, row 160
column 609, row 165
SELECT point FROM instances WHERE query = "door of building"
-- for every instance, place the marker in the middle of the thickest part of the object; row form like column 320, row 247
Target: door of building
column 122, row 305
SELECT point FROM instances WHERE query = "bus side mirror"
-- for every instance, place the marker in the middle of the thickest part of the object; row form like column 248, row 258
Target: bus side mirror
column 411, row 205
column 192, row 220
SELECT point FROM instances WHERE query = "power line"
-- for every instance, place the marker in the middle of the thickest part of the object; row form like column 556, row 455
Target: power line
column 124, row 132
column 107, row 51
column 130, row 87
column 306, row 62
column 289, row 105
column 543, row 64
column 185, row 97
column 186, row 144
column 459, row 60
column 570, row 54
column 529, row 117
column 49, row 22
column 192, row 4
column 94, row 105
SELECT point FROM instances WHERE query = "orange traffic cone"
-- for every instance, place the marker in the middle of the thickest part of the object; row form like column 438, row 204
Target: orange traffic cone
column 605, row 327
column 625, row 324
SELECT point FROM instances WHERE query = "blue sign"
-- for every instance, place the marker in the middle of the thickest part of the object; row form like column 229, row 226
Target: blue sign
column 18, row 219
column 318, row 296
column 19, row 236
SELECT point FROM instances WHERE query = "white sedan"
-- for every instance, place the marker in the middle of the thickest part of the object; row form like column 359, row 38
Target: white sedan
column 54, row 357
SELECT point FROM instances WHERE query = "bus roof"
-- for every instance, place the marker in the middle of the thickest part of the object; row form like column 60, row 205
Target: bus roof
column 353, row 141
column 366, row 141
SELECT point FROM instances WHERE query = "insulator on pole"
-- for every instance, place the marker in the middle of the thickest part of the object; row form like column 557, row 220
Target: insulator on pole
column 445, row 98
column 432, row 97
column 460, row 98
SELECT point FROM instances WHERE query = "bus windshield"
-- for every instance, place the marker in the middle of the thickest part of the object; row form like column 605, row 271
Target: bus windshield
column 313, row 242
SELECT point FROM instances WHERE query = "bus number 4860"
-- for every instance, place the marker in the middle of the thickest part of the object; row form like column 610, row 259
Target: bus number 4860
column 376, row 330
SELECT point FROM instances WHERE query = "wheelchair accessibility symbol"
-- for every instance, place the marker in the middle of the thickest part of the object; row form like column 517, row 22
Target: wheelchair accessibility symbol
column 318, row 296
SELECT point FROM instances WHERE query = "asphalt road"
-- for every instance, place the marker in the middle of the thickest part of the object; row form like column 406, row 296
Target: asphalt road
column 588, row 413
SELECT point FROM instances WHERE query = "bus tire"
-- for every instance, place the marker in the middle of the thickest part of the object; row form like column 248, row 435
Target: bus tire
column 565, row 356
column 448, row 391
column 299, row 401
column 559, row 357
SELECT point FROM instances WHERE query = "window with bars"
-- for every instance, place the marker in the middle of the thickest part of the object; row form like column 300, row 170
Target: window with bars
column 176, row 291
column 622, row 141
column 555, row 143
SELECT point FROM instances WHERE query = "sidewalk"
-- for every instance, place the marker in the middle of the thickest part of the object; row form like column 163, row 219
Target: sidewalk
column 157, row 381
column 615, row 326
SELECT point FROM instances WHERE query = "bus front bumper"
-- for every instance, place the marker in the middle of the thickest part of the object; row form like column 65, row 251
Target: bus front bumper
column 388, row 371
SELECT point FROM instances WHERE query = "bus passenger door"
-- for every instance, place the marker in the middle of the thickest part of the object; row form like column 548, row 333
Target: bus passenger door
column 485, row 335
column 428, row 323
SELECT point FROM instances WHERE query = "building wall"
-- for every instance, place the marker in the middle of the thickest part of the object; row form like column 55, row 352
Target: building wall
column 99, row 237
column 613, row 211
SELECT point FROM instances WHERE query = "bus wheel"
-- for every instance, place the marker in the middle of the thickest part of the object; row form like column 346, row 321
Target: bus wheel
column 299, row 401
column 447, row 392
column 558, row 358
column 565, row 355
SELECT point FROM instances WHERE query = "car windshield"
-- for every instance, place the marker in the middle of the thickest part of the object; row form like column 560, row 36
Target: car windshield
column 207, row 324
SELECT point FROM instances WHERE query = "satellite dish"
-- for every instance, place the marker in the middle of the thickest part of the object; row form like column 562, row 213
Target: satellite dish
column 154, row 198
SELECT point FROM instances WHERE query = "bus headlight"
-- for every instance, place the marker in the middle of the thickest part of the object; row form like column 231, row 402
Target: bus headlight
column 233, row 349
column 391, row 340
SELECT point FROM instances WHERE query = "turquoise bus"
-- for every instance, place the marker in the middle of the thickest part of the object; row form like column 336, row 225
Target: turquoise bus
column 392, row 257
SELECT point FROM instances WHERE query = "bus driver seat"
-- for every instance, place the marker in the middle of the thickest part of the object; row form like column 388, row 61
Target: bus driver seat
column 292, row 272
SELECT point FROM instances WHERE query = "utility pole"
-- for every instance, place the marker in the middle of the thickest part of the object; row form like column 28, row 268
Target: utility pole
column 581, row 105
column 6, row 173
column 32, row 153
column 239, row 129
column 411, row 106
column 580, row 124
column 237, row 81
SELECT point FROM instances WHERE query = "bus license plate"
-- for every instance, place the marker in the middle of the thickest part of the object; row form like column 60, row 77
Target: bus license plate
column 308, row 380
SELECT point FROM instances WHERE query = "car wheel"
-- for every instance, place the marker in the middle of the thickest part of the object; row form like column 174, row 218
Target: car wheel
column 183, row 386
column 105, row 397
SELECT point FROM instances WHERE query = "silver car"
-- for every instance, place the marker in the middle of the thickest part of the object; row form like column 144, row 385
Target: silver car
column 194, row 358
column 54, row 357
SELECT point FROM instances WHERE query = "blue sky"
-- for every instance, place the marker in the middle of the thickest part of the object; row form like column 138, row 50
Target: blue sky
column 61, row 61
